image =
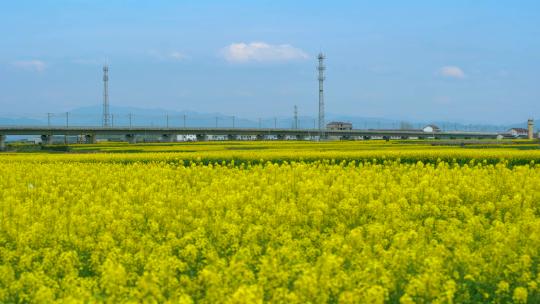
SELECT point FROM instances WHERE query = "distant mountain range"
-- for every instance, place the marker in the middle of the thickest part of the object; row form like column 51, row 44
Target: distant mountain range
column 124, row 116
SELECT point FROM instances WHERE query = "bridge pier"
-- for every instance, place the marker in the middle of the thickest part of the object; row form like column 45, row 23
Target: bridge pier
column 131, row 138
column 47, row 139
column 90, row 138
column 2, row 142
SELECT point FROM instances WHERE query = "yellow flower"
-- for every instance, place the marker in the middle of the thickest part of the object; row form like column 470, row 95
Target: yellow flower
column 520, row 295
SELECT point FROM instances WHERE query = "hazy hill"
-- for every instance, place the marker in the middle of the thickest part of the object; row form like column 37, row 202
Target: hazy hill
column 123, row 116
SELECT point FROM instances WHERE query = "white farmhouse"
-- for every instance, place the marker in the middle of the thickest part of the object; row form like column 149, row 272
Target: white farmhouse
column 431, row 129
column 518, row 132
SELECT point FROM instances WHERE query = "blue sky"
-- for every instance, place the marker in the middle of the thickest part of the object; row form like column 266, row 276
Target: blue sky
column 468, row 61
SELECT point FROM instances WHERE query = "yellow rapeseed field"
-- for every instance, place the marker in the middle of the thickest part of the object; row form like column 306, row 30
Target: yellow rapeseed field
column 446, row 226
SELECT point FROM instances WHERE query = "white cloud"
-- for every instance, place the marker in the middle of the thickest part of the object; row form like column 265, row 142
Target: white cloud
column 167, row 56
column 175, row 55
column 262, row 52
column 31, row 65
column 452, row 72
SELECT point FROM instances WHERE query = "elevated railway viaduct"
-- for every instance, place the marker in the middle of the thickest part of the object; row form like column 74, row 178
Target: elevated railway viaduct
column 169, row 134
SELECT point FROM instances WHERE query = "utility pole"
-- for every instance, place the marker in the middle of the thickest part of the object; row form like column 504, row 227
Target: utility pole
column 49, row 119
column 233, row 121
column 167, row 119
column 216, row 121
column 530, row 128
column 184, row 121
column 112, row 120
column 130, row 117
column 106, row 114
column 321, row 69
column 67, row 126
column 295, row 117
column 275, row 122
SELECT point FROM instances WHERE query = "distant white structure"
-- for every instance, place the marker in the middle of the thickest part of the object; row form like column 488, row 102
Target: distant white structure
column 246, row 137
column 270, row 137
column 217, row 137
column 518, row 132
column 431, row 129
column 292, row 137
column 186, row 137
column 339, row 125
column 35, row 140
column 383, row 137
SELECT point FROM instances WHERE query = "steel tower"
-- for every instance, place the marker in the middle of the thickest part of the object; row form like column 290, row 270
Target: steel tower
column 321, row 69
column 106, row 115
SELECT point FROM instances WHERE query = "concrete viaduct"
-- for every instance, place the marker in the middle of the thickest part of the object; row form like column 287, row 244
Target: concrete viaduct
column 169, row 134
